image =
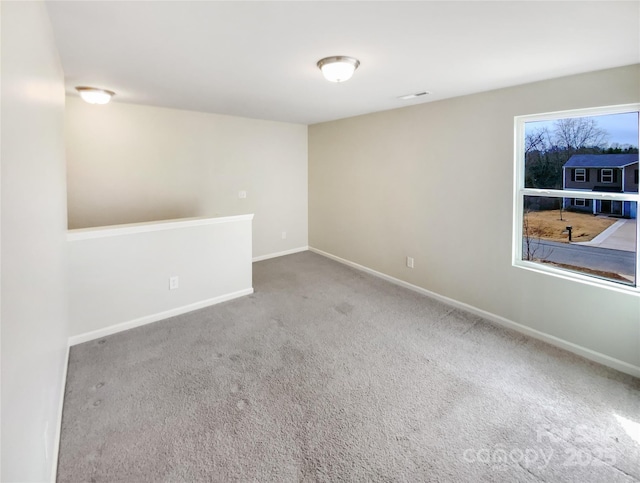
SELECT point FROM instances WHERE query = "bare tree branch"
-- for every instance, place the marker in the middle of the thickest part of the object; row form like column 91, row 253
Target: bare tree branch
column 532, row 246
column 578, row 132
column 537, row 141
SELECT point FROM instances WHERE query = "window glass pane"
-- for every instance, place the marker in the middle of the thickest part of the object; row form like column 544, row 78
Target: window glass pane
column 593, row 153
column 603, row 245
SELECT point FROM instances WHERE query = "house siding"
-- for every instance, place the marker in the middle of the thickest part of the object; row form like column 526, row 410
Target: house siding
column 593, row 179
column 629, row 178
column 625, row 180
column 570, row 204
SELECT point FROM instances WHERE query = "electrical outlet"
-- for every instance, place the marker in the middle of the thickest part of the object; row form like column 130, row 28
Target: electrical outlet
column 284, row 235
column 242, row 194
column 410, row 262
column 173, row 283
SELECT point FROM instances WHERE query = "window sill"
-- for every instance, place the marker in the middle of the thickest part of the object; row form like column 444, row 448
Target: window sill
column 577, row 277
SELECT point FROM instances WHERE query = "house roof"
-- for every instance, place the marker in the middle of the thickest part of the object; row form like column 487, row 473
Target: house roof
column 601, row 160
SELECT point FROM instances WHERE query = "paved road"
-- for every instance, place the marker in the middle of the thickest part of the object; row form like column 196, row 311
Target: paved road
column 617, row 261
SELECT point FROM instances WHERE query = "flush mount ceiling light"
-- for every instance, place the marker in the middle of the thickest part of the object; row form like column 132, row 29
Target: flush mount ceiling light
column 93, row 95
column 338, row 68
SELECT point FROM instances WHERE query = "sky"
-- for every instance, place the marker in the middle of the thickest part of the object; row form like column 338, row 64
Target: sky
column 622, row 128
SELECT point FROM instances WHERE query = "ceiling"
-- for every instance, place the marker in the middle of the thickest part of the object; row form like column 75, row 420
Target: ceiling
column 258, row 59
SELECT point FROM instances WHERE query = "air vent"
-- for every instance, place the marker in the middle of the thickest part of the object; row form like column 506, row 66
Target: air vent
column 413, row 96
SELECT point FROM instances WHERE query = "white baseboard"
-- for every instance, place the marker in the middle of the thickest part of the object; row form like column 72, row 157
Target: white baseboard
column 58, row 429
column 280, row 254
column 502, row 321
column 148, row 319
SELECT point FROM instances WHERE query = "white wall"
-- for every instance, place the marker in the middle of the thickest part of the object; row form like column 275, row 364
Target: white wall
column 119, row 277
column 435, row 182
column 34, row 220
column 130, row 163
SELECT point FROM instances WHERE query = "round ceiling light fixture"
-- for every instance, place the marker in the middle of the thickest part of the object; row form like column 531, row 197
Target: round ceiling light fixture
column 338, row 68
column 93, row 95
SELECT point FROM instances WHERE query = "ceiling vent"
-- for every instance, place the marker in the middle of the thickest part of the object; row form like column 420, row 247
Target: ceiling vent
column 413, row 96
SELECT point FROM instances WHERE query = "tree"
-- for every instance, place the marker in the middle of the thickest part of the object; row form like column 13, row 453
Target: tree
column 575, row 133
column 537, row 140
column 543, row 160
column 532, row 248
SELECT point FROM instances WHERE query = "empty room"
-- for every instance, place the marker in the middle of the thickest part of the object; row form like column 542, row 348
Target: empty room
column 320, row 241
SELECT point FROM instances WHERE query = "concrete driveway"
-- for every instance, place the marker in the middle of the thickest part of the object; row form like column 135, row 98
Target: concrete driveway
column 619, row 236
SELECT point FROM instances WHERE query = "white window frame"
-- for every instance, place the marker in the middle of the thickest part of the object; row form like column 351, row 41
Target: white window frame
column 583, row 202
column 581, row 172
column 608, row 174
column 519, row 193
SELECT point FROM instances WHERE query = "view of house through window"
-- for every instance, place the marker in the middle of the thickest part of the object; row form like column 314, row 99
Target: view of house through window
column 577, row 193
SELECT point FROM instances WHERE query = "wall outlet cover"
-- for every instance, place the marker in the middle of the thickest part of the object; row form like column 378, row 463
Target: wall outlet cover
column 174, row 283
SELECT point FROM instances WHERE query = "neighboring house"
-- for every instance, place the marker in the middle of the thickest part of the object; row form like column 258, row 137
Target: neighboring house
column 613, row 173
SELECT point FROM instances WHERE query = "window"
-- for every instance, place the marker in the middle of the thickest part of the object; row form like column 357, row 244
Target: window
column 635, row 176
column 562, row 228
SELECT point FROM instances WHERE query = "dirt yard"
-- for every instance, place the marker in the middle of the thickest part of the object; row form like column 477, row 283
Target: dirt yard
column 547, row 225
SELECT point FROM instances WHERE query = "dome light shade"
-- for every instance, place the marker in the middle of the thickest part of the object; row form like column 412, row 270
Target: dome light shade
column 338, row 68
column 93, row 95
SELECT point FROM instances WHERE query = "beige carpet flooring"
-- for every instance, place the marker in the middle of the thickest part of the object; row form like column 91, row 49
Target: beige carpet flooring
column 329, row 374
